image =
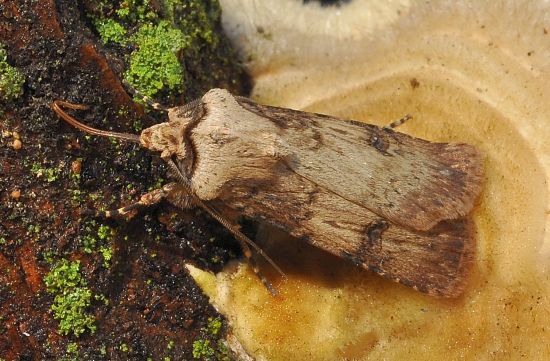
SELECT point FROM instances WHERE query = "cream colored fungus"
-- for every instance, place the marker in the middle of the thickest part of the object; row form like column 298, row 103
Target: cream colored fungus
column 469, row 71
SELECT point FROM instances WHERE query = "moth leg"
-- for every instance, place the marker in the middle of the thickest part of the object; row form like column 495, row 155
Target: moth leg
column 252, row 262
column 398, row 122
column 245, row 242
column 146, row 200
column 178, row 196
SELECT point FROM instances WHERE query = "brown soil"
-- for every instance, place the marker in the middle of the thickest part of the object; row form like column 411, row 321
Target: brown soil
column 152, row 299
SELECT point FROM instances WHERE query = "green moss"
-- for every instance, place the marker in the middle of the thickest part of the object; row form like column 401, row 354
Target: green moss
column 214, row 326
column 72, row 347
column 158, row 183
column 154, row 65
column 110, row 31
column 33, row 229
column 159, row 32
column 49, row 174
column 196, row 18
column 211, row 346
column 11, row 80
column 88, row 243
column 49, row 256
column 94, row 235
column 71, row 352
column 134, row 11
column 77, row 195
column 107, row 253
column 104, row 232
column 71, row 299
column 137, row 125
column 102, row 298
column 202, row 349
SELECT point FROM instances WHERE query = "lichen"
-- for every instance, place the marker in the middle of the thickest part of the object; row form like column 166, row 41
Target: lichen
column 11, row 80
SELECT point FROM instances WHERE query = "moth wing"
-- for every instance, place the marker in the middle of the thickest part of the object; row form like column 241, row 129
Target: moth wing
column 409, row 181
column 436, row 262
column 317, row 177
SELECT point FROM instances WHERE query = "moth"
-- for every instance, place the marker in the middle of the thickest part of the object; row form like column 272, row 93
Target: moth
column 386, row 201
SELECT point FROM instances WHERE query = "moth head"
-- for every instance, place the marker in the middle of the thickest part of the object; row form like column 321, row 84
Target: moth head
column 166, row 138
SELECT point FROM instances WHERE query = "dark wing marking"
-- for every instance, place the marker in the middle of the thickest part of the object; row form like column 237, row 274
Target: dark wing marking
column 436, row 262
column 406, row 180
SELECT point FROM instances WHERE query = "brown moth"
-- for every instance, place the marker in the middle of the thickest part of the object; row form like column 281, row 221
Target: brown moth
column 386, row 201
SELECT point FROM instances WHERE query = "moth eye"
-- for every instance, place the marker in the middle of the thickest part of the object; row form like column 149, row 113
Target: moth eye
column 145, row 138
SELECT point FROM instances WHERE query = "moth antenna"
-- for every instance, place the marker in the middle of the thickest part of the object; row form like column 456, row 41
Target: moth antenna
column 398, row 122
column 147, row 100
column 241, row 237
column 57, row 108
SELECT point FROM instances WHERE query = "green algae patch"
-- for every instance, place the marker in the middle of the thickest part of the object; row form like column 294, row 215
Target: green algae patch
column 196, row 19
column 110, row 31
column 154, row 66
column 211, row 346
column 170, row 47
column 71, row 299
column 11, row 80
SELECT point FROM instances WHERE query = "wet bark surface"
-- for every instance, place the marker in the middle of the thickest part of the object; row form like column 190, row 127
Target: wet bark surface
column 145, row 304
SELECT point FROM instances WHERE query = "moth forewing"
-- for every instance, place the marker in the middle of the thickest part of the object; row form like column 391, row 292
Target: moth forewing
column 333, row 182
column 388, row 202
column 410, row 181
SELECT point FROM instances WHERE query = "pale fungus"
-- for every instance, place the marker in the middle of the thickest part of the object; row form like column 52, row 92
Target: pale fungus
column 469, row 71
